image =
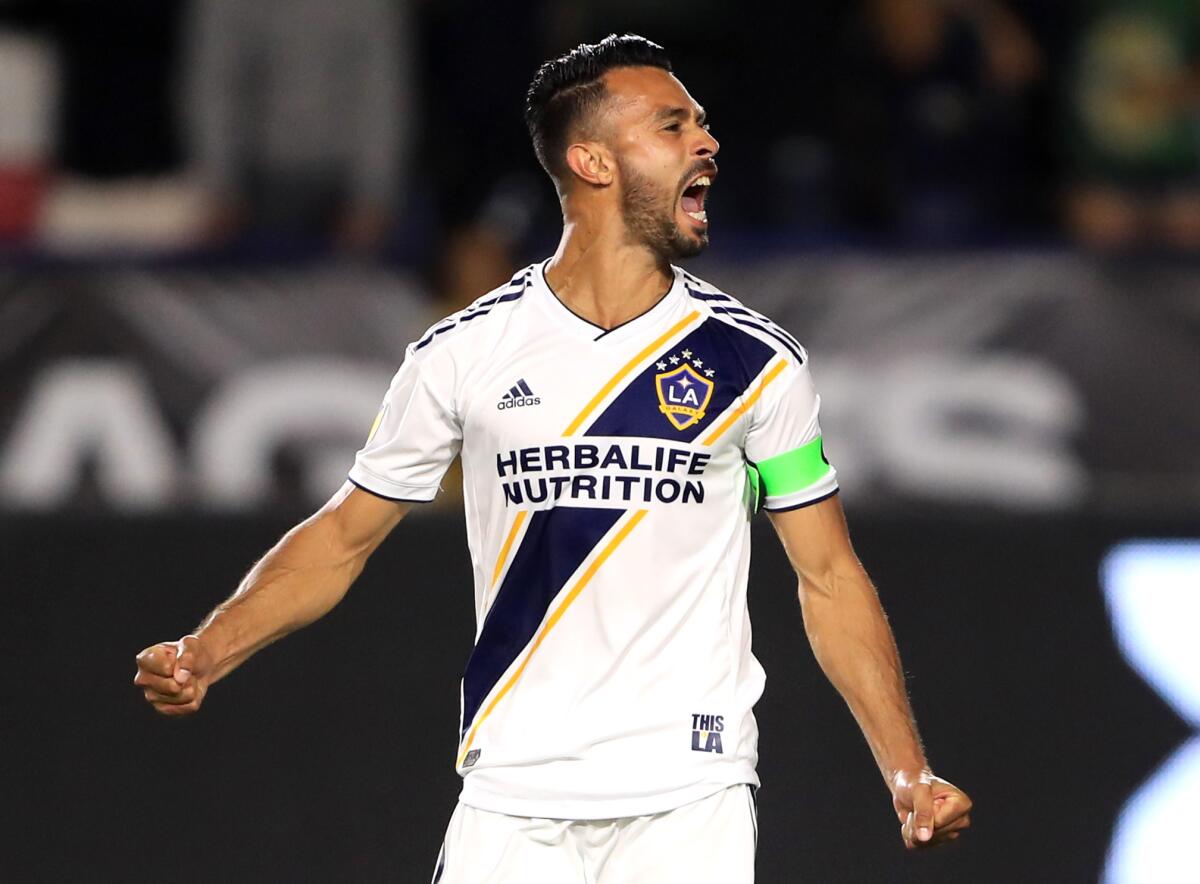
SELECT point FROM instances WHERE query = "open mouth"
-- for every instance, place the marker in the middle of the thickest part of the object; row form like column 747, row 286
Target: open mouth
column 694, row 195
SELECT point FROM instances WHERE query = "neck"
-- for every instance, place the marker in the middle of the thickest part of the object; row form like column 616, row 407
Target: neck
column 603, row 277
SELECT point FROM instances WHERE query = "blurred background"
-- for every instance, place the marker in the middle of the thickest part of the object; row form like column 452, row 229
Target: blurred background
column 221, row 223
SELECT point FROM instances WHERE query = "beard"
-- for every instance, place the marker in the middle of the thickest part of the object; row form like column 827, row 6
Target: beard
column 648, row 211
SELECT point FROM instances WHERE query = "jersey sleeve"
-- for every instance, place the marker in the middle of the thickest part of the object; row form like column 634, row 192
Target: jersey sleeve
column 783, row 442
column 415, row 437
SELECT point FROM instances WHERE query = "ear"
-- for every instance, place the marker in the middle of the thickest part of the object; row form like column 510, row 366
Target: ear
column 591, row 162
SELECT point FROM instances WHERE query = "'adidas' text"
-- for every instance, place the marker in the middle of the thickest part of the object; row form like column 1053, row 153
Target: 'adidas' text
column 518, row 402
column 518, row 397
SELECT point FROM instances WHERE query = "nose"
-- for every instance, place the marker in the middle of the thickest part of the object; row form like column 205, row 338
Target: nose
column 707, row 146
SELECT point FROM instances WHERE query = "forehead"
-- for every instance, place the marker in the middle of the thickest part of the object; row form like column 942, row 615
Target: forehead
column 641, row 92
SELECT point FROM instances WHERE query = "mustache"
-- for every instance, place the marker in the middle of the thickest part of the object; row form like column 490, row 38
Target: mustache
column 709, row 166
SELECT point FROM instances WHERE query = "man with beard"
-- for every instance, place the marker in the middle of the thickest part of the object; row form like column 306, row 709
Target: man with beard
column 619, row 421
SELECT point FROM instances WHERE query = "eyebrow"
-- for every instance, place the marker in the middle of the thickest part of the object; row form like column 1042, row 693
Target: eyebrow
column 680, row 113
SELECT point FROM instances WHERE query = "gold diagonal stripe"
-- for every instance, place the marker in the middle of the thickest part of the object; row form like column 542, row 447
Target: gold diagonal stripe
column 633, row 363
column 502, row 559
column 508, row 542
column 746, row 403
column 567, row 601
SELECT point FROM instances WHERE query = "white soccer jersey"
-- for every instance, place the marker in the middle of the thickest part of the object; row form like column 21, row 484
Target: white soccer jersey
column 608, row 504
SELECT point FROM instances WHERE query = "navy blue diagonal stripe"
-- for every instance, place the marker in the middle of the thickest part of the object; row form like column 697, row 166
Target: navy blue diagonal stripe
column 514, row 392
column 556, row 542
column 524, row 387
column 735, row 357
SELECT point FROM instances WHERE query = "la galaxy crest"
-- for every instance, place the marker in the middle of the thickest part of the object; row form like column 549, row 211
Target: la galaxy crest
column 684, row 388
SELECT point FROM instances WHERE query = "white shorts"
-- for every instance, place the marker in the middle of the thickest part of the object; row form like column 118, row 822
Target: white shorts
column 712, row 839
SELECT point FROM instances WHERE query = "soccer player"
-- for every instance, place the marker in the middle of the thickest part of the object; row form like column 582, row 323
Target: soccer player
column 619, row 423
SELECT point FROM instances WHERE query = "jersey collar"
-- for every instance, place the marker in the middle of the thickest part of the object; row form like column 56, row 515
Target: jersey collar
column 664, row 307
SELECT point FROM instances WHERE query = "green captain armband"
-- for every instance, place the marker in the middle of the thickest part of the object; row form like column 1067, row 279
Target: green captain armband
column 795, row 470
column 755, row 488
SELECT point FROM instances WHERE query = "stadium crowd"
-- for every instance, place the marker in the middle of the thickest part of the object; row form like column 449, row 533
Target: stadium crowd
column 392, row 129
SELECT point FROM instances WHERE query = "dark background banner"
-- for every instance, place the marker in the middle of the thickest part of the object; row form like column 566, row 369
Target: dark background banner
column 1019, row 381
column 330, row 756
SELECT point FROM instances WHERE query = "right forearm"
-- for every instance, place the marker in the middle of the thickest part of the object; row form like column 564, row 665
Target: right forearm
column 299, row 580
column 302, row 578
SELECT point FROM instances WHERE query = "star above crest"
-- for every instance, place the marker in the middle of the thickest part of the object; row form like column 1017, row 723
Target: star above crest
column 686, row 357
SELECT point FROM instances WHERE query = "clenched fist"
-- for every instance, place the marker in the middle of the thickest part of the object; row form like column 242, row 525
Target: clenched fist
column 931, row 810
column 174, row 676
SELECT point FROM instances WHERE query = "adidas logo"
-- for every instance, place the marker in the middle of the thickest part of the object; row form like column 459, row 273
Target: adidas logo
column 518, row 397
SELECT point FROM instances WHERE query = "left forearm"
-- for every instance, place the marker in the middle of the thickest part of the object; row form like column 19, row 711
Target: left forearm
column 853, row 643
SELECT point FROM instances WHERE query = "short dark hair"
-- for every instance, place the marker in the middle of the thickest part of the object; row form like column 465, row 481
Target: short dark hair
column 569, row 88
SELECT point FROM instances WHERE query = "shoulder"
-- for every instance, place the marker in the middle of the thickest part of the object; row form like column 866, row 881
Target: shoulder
column 740, row 319
column 483, row 314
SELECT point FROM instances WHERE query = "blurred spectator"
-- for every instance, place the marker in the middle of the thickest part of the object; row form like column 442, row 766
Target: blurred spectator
column 119, row 98
column 117, row 183
column 302, row 110
column 1135, row 96
column 28, row 73
column 932, row 131
column 489, row 192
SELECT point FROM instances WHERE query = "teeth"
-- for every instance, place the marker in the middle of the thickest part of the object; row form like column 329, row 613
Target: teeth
column 704, row 181
column 699, row 216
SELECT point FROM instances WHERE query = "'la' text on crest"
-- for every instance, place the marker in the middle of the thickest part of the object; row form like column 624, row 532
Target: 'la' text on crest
column 683, row 395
